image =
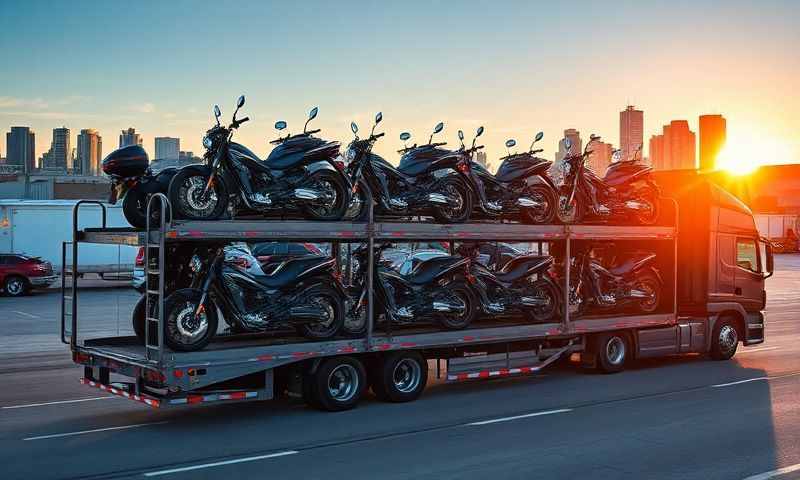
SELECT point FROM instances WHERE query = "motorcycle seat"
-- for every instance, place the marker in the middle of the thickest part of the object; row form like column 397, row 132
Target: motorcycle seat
column 522, row 266
column 294, row 151
column 432, row 268
column 632, row 263
column 288, row 271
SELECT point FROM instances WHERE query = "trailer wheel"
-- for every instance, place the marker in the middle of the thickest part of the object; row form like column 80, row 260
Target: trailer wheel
column 612, row 352
column 400, row 377
column 724, row 339
column 336, row 385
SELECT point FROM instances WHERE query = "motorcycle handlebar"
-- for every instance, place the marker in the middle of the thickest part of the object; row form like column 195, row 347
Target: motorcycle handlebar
column 237, row 123
column 379, row 135
column 437, row 144
column 538, row 150
column 313, row 131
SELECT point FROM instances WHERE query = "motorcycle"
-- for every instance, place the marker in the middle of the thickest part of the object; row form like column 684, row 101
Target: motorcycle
column 634, row 281
column 423, row 183
column 521, row 286
column 627, row 190
column 520, row 190
column 133, row 181
column 304, row 293
column 436, row 289
column 300, row 175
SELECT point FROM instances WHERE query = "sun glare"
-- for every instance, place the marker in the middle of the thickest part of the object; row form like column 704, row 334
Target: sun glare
column 742, row 156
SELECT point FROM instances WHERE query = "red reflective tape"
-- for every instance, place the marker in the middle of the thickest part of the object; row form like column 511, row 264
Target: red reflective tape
column 408, row 344
column 194, row 399
column 503, row 371
column 462, row 376
column 469, row 338
column 250, row 233
column 264, row 358
column 178, row 373
column 238, row 395
column 385, row 346
column 302, row 354
column 553, row 331
column 347, row 350
column 484, row 374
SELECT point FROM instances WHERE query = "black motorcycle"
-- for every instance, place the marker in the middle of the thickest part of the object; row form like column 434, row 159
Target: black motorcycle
column 626, row 191
column 631, row 280
column 304, row 293
column 520, row 190
column 423, row 184
column 436, row 290
column 521, row 286
column 133, row 181
column 300, row 175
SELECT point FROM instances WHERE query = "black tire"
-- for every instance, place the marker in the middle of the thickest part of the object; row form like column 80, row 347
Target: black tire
column 650, row 195
column 185, row 192
column 358, row 209
column 329, row 299
column 572, row 215
column 648, row 282
column 337, row 384
column 134, row 206
column 335, row 185
column 355, row 320
column 138, row 321
column 464, row 293
column 16, row 286
column 724, row 339
column 542, row 216
column 546, row 289
column 461, row 210
column 399, row 377
column 179, row 311
column 612, row 350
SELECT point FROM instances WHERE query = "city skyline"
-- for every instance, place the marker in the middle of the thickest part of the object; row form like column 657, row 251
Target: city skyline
column 405, row 66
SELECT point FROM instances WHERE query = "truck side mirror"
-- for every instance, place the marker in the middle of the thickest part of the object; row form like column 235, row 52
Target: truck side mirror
column 770, row 260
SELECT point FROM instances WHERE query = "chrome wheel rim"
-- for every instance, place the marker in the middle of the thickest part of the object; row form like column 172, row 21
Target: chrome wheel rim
column 329, row 312
column 566, row 213
column 615, row 351
column 541, row 212
column 354, row 210
column 190, row 326
column 407, row 375
column 652, row 301
column 329, row 200
column 727, row 338
column 456, row 199
column 14, row 286
column 343, row 383
column 192, row 193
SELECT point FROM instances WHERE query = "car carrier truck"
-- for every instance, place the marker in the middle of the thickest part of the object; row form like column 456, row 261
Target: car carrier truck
column 711, row 259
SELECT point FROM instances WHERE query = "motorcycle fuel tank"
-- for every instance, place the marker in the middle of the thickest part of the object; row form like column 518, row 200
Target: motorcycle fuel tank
column 421, row 159
column 520, row 166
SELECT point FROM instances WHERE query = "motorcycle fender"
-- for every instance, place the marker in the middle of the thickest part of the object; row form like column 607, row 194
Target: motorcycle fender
column 328, row 165
column 542, row 180
column 164, row 177
column 204, row 170
column 329, row 281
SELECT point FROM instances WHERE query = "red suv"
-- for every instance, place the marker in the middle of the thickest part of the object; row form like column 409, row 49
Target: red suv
column 19, row 273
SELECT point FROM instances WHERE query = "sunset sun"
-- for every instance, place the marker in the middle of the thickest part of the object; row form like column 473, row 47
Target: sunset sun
column 742, row 155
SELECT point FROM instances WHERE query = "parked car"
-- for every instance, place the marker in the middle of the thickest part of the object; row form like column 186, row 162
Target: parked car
column 138, row 271
column 19, row 273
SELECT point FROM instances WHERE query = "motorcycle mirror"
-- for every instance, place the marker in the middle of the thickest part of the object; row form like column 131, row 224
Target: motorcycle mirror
column 217, row 111
column 538, row 137
column 461, row 135
column 378, row 118
column 240, row 102
column 510, row 143
column 405, row 136
column 616, row 156
column 439, row 127
column 567, row 144
column 479, row 132
column 594, row 138
column 311, row 116
column 354, row 127
column 280, row 125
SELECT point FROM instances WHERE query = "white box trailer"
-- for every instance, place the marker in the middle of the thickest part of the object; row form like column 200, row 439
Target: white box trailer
column 38, row 228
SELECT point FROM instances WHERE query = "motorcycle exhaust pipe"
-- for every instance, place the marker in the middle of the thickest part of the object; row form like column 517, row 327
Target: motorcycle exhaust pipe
column 526, row 202
column 307, row 314
column 636, row 205
column 638, row 294
column 306, row 194
column 448, row 307
column 532, row 302
column 437, row 198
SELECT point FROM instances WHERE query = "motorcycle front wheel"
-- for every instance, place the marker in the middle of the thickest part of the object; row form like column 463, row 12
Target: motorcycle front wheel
column 649, row 196
column 329, row 301
column 569, row 214
column 459, row 208
column 335, row 206
column 188, row 200
column 183, row 330
column 547, row 212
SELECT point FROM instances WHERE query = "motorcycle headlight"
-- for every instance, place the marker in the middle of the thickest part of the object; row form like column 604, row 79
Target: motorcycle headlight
column 207, row 142
column 350, row 155
column 195, row 264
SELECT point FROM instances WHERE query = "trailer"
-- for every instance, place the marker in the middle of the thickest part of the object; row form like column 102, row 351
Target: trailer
column 394, row 362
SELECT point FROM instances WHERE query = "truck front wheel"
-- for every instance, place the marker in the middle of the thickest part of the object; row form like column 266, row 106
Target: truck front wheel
column 724, row 339
column 400, row 377
column 612, row 352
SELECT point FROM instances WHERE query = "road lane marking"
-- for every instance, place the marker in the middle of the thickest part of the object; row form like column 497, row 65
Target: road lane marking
column 59, row 402
column 25, row 314
column 82, row 432
column 517, row 417
column 754, row 350
column 748, row 380
column 217, row 464
column 775, row 473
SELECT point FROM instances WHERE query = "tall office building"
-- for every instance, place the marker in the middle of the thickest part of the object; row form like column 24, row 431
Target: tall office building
column 129, row 137
column 712, row 139
column 21, row 148
column 90, row 151
column 600, row 158
column 60, row 150
column 631, row 131
column 675, row 148
column 168, row 148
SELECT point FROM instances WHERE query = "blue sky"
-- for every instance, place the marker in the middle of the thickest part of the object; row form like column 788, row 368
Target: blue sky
column 516, row 67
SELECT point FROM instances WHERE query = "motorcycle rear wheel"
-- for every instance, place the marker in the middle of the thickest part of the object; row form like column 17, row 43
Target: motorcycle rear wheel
column 648, row 282
column 134, row 206
column 548, row 291
column 460, row 210
column 329, row 300
column 186, row 196
column 650, row 195
column 335, row 186
column 464, row 294
column 545, row 215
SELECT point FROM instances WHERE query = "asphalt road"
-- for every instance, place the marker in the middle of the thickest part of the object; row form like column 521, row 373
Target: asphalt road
column 680, row 417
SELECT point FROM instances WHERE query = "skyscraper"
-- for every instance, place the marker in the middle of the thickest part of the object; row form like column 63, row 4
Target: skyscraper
column 674, row 149
column 60, row 150
column 90, row 151
column 129, row 137
column 600, row 158
column 631, row 131
column 21, row 148
column 168, row 148
column 712, row 139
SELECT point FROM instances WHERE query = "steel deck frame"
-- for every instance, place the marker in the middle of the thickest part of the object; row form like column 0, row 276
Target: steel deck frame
column 190, row 371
